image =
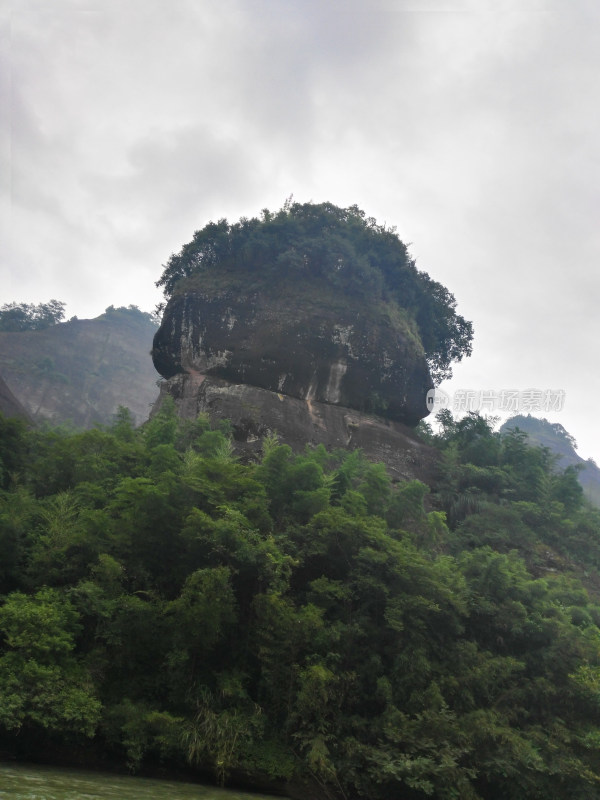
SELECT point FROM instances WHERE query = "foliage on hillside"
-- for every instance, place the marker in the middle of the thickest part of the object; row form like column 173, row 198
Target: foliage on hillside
column 553, row 436
column 302, row 618
column 29, row 317
column 130, row 313
column 542, row 432
column 342, row 246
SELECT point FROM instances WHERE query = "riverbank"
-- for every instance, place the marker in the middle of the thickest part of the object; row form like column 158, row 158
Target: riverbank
column 19, row 781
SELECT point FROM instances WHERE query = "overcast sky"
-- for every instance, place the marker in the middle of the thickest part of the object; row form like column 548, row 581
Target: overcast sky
column 473, row 126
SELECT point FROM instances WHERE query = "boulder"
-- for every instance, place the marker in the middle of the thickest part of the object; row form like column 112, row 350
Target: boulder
column 308, row 343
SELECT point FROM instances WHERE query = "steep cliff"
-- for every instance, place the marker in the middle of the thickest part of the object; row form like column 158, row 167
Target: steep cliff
column 257, row 413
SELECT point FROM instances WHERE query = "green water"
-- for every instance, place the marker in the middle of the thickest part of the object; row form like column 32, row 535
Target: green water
column 24, row 782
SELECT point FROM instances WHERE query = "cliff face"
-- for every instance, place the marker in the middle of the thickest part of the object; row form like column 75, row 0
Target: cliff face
column 9, row 405
column 255, row 413
column 313, row 349
column 309, row 364
column 81, row 371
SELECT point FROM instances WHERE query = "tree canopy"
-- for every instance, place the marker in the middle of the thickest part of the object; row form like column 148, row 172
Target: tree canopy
column 301, row 618
column 312, row 241
column 133, row 312
column 28, row 317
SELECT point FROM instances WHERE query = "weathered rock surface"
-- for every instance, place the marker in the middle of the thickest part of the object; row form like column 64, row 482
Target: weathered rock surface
column 256, row 413
column 9, row 405
column 312, row 345
column 81, row 371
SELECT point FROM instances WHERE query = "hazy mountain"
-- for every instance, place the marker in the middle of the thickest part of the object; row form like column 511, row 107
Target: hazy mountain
column 553, row 436
column 81, row 371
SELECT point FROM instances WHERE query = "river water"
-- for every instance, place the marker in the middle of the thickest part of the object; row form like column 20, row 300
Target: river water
column 25, row 782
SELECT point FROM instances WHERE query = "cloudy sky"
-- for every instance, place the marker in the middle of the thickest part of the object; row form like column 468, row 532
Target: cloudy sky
column 471, row 125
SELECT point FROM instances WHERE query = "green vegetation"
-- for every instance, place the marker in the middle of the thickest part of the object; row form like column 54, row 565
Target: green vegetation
column 316, row 243
column 27, row 317
column 553, row 436
column 17, row 317
column 302, row 618
column 130, row 312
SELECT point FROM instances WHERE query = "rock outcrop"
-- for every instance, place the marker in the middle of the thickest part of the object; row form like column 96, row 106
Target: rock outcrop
column 316, row 348
column 256, row 413
column 307, row 364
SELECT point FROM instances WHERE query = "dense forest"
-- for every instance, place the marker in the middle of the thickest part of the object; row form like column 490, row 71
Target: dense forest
column 301, row 619
column 320, row 242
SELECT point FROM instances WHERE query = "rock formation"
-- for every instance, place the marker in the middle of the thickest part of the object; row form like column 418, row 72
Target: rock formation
column 307, row 363
column 345, row 354
column 312, row 322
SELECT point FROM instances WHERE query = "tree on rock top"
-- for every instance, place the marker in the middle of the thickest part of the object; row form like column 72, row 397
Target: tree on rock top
column 320, row 241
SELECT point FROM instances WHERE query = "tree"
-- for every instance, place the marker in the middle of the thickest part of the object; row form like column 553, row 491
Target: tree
column 41, row 683
column 302, row 617
column 27, row 317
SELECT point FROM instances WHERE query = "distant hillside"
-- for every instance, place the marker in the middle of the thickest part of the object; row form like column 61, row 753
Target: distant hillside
column 553, row 436
column 81, row 371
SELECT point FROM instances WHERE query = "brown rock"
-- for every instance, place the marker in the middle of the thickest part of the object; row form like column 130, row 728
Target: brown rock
column 256, row 413
column 307, row 343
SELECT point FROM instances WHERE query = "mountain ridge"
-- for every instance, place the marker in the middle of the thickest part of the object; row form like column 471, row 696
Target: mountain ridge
column 554, row 436
column 79, row 372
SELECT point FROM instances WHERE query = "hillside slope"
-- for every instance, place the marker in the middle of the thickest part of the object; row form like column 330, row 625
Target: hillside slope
column 81, row 371
column 9, row 405
column 300, row 623
column 561, row 443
